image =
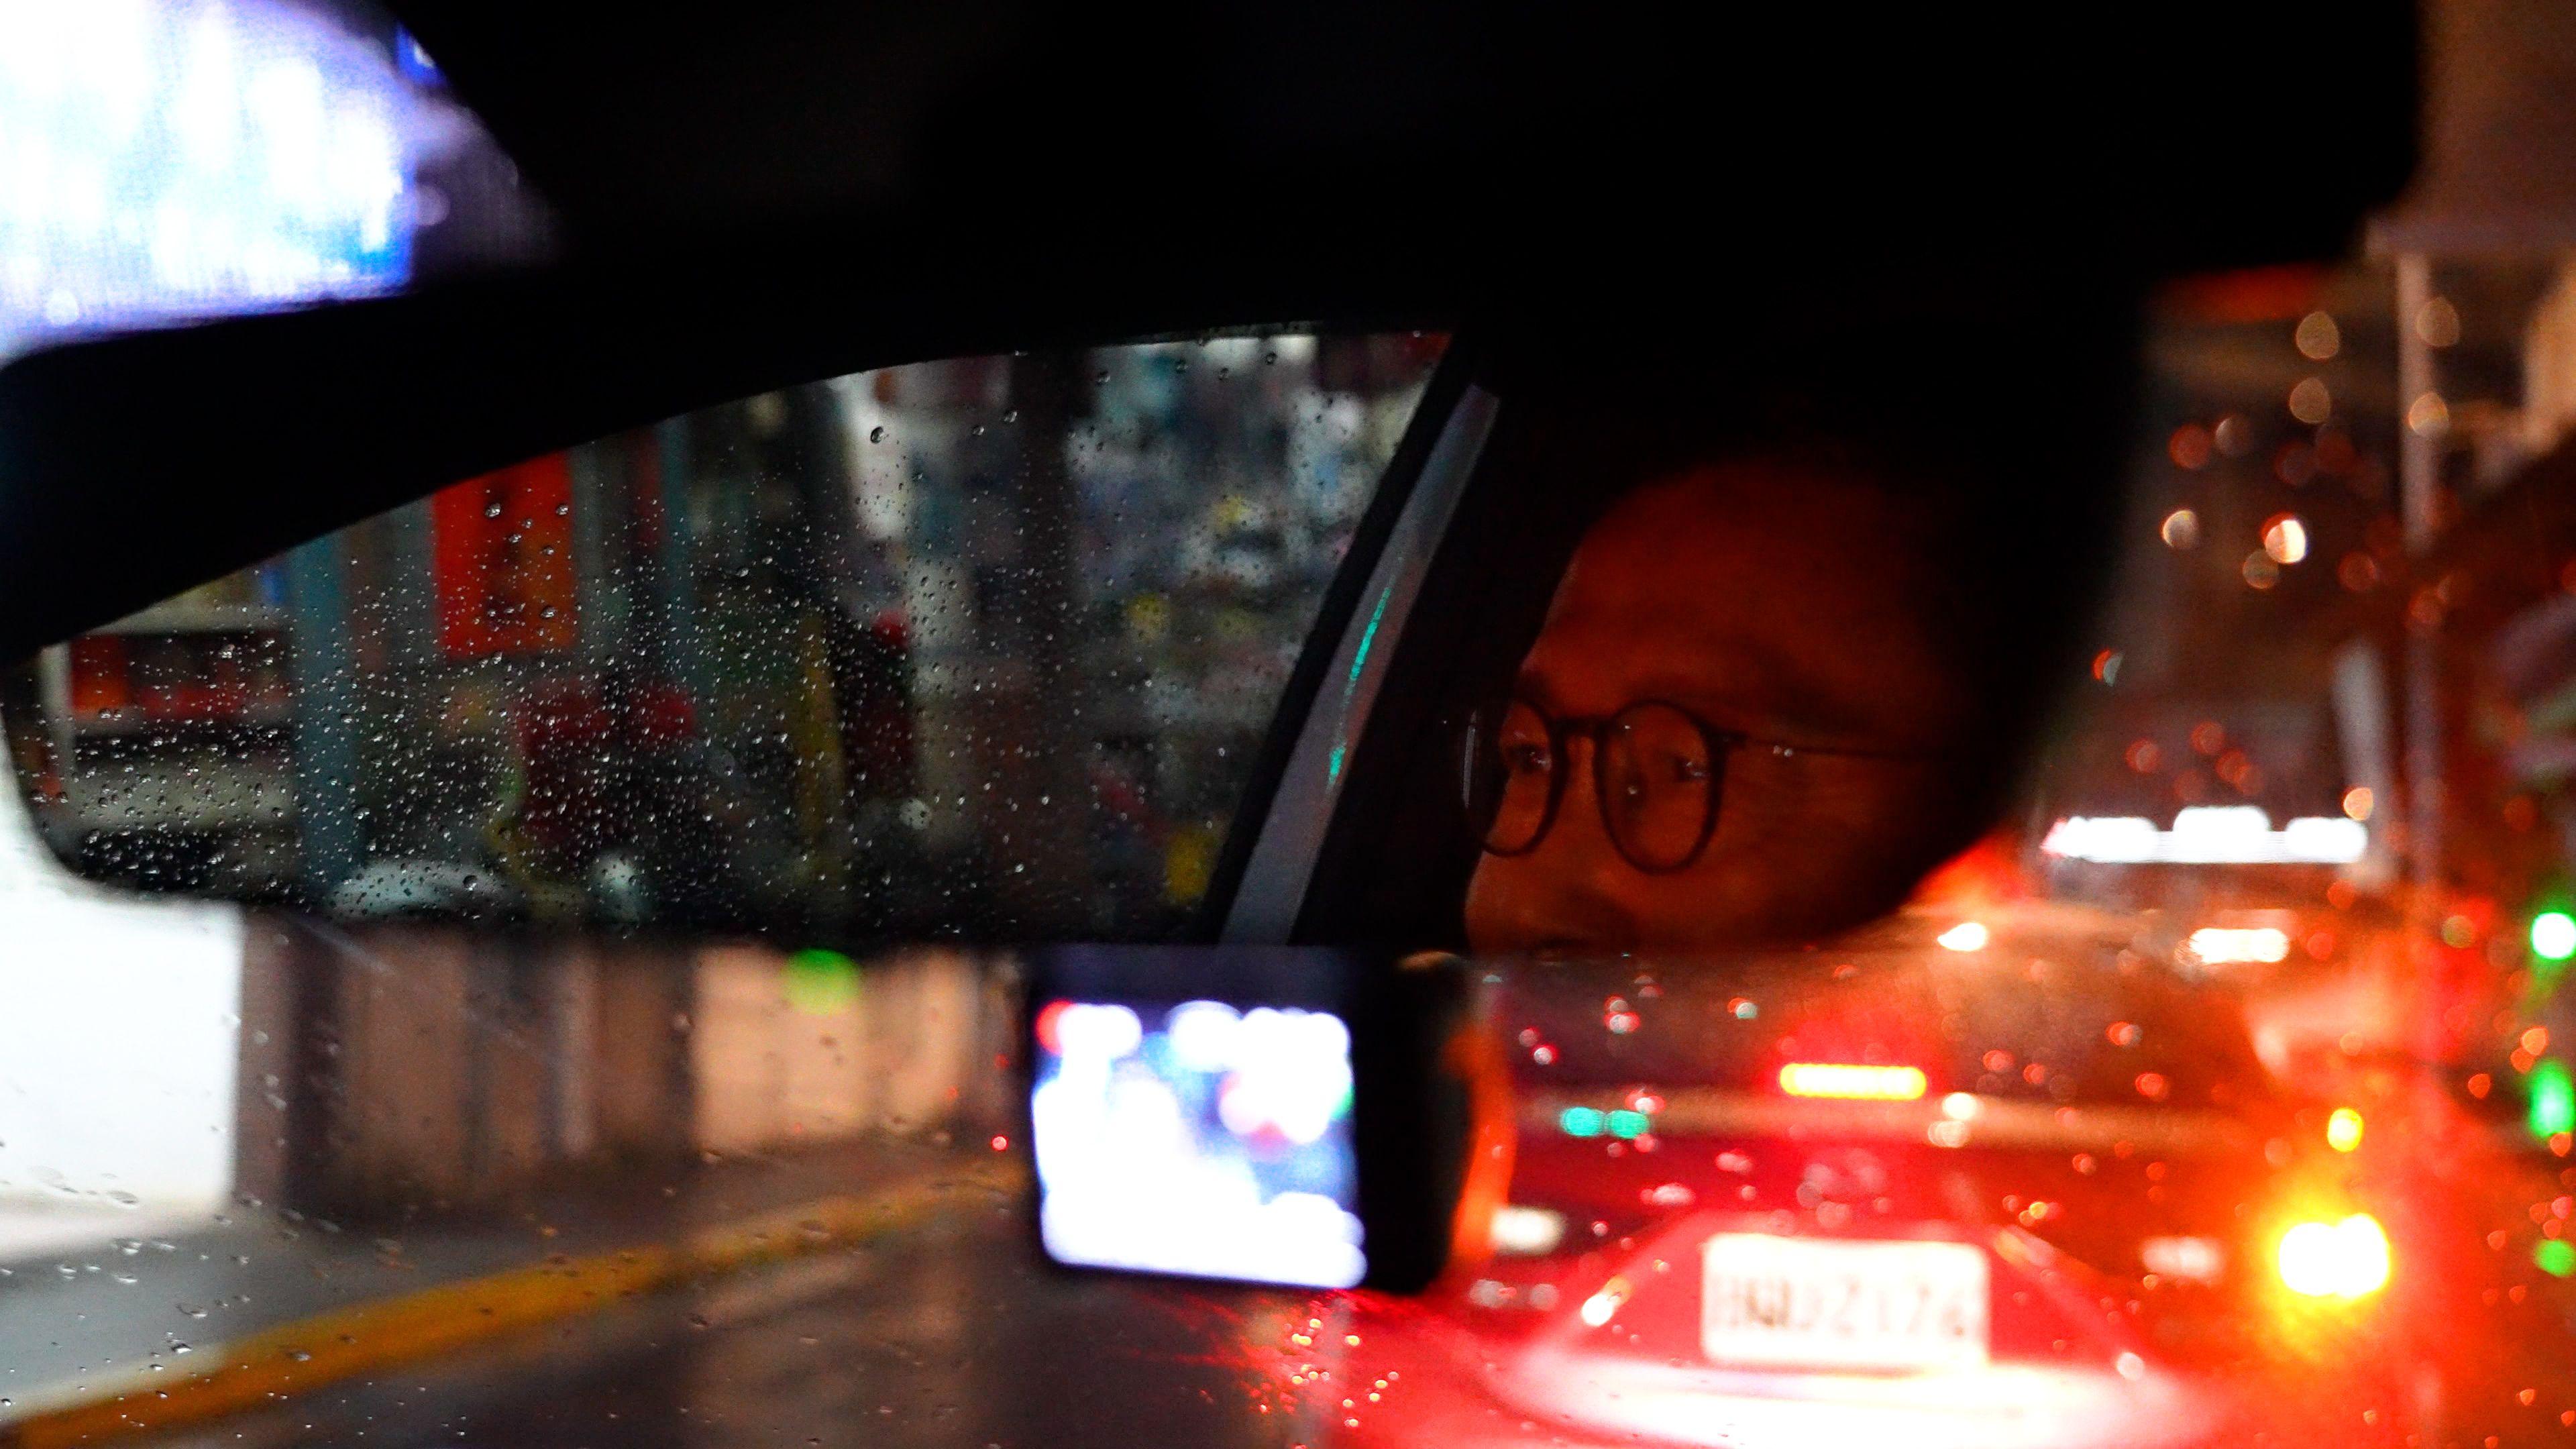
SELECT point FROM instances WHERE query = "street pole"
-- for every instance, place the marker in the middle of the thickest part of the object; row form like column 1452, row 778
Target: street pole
column 2419, row 509
column 1037, row 739
column 331, row 845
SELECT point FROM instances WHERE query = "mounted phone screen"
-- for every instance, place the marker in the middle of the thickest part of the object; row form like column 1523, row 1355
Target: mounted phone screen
column 1198, row 1138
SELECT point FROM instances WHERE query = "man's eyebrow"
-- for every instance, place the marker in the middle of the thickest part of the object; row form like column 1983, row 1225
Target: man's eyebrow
column 1532, row 686
column 1770, row 696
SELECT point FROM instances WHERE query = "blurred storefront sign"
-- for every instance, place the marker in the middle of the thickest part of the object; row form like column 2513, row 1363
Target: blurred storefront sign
column 504, row 561
column 400, row 1069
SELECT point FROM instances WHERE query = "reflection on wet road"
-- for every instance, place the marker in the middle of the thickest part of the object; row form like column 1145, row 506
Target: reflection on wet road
column 953, row 1334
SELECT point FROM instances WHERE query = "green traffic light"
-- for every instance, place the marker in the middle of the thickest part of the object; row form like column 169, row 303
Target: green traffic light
column 821, row 983
column 2553, row 1099
column 2555, row 1256
column 2553, row 935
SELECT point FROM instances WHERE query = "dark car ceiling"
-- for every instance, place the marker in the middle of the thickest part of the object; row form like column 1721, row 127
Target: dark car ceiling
column 2191, row 133
column 754, row 194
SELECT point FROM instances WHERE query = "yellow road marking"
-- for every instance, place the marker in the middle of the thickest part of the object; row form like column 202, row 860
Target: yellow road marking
column 297, row 1357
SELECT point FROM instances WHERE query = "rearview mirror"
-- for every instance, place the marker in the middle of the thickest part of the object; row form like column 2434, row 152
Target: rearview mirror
column 985, row 647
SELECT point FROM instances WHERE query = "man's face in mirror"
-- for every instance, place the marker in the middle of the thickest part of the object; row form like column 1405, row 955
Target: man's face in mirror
column 1771, row 604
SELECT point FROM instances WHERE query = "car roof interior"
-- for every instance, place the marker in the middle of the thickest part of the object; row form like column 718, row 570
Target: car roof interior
column 746, row 196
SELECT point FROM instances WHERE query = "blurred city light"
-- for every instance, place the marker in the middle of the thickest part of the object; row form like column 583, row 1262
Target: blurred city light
column 2438, row 323
column 2208, row 835
column 1091, row 1033
column 177, row 158
column 2317, row 337
column 1286, row 1072
column 2555, row 1257
column 2233, row 946
column 1965, row 936
column 2343, row 1129
column 2344, row 1259
column 2553, row 935
column 821, row 983
column 1205, row 1034
column 2552, row 1100
column 1602, row 1306
column 1527, row 1231
column 2191, row 1259
column 2285, row 539
column 2310, row 403
column 1852, row 1081
column 2429, row 415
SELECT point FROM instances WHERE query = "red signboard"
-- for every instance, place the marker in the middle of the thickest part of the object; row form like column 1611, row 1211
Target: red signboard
column 503, row 555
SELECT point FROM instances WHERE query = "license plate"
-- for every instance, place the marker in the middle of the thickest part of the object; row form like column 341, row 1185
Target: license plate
column 1770, row 1302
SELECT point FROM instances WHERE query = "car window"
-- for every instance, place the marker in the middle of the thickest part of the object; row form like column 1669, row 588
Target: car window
column 985, row 647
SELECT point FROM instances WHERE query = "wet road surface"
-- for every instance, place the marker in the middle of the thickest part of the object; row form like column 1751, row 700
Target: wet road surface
column 950, row 1335
column 950, row 1332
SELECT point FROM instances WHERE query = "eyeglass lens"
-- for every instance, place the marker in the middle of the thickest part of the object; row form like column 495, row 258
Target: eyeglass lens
column 1657, row 781
column 1656, row 784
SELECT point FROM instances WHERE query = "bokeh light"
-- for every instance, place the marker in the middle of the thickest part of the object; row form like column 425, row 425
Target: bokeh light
column 2310, row 402
column 2317, row 337
column 2345, row 1259
column 2438, row 323
column 2553, row 935
column 2285, row 538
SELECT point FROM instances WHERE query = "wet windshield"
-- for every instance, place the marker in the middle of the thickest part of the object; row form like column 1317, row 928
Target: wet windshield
column 553, row 962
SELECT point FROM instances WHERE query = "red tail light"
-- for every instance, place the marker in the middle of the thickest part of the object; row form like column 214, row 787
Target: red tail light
column 1852, row 1081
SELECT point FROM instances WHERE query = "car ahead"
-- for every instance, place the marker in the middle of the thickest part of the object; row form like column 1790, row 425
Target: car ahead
column 1992, row 1181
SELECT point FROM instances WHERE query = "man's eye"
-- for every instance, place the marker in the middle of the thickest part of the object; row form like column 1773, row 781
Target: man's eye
column 1527, row 759
column 1690, row 771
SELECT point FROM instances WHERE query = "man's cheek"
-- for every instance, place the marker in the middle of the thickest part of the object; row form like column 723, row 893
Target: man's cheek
column 1799, row 874
column 1511, row 906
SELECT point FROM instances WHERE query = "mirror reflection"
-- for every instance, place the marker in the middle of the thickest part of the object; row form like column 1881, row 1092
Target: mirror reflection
column 979, row 647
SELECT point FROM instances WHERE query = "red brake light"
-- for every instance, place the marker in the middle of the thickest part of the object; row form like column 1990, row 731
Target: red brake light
column 1852, row 1081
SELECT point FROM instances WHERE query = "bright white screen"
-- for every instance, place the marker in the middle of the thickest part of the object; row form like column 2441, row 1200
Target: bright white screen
column 1198, row 1139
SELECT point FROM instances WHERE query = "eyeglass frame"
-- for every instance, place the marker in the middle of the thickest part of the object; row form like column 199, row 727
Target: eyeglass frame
column 1721, row 743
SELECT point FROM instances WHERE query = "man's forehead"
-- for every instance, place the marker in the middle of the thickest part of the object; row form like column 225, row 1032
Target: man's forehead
column 1756, row 597
column 1591, row 662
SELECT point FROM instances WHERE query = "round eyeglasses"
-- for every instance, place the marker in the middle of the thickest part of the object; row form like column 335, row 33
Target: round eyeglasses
column 1658, row 775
